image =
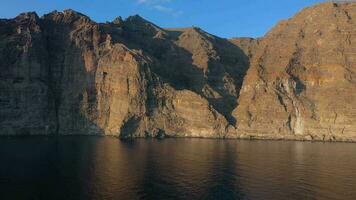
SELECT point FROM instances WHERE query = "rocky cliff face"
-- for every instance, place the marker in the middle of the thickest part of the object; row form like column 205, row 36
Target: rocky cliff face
column 301, row 80
column 65, row 74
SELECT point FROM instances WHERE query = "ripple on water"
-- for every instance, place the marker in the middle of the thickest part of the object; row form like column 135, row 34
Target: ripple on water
column 107, row 168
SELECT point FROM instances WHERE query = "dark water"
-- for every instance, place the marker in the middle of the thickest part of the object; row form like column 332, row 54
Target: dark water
column 107, row 168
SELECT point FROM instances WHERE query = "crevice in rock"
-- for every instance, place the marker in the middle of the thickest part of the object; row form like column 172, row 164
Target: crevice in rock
column 129, row 127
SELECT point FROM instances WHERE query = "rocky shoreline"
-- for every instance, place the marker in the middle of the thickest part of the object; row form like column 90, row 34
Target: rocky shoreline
column 257, row 137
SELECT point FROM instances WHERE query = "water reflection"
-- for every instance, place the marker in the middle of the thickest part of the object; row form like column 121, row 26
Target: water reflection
column 107, row 168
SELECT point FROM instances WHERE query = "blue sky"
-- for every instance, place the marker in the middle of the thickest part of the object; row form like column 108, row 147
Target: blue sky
column 224, row 18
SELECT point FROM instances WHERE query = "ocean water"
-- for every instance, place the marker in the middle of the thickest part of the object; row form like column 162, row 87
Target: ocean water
column 108, row 168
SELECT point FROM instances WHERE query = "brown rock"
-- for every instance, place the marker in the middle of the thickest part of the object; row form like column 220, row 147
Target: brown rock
column 65, row 74
column 302, row 78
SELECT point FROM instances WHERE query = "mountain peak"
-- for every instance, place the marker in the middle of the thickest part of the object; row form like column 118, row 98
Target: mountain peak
column 27, row 15
column 138, row 23
column 136, row 19
column 68, row 15
column 118, row 20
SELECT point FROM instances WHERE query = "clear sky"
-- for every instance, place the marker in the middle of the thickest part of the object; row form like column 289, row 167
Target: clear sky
column 224, row 18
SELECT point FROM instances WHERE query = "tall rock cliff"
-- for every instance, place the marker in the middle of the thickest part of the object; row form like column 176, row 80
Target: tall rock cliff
column 24, row 91
column 65, row 74
column 302, row 80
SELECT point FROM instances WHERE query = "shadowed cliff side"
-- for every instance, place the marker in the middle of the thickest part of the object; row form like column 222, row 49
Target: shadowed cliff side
column 24, row 105
column 125, row 78
column 187, row 58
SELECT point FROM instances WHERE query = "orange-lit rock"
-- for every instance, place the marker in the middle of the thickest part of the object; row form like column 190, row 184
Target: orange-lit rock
column 65, row 74
column 302, row 79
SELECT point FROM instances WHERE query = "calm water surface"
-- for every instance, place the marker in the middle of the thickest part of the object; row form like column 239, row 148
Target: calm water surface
column 107, row 168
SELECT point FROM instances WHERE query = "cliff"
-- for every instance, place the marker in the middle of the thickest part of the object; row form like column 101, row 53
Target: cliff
column 66, row 74
column 301, row 80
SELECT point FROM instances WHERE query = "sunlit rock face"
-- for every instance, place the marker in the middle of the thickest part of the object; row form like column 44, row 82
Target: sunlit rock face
column 65, row 74
column 302, row 80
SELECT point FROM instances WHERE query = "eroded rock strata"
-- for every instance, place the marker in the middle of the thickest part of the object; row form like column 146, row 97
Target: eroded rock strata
column 66, row 74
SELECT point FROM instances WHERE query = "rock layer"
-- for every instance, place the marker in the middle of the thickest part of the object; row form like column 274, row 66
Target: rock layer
column 65, row 74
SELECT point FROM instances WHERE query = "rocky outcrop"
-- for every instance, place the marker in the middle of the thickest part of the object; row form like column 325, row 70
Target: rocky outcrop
column 65, row 74
column 301, row 80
